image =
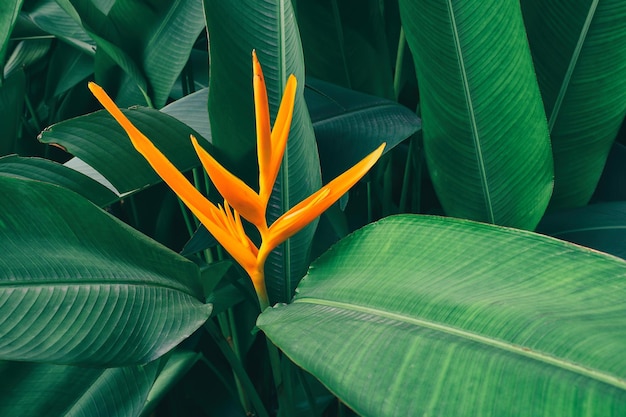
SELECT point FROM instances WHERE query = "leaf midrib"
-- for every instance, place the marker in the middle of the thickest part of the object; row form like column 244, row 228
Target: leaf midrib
column 472, row 115
column 518, row 350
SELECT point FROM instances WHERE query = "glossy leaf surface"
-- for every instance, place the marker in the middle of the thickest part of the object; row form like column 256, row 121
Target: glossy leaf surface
column 77, row 286
column 485, row 132
column 417, row 315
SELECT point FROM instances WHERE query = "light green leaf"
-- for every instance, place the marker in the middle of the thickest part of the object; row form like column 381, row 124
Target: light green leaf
column 485, row 132
column 268, row 26
column 418, row 315
column 579, row 50
column 40, row 389
column 77, row 286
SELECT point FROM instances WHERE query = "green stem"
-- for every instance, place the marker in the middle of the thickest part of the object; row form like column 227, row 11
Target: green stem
column 397, row 77
column 406, row 177
column 237, row 368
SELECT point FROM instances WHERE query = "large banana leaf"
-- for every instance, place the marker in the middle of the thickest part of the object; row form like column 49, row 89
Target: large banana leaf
column 579, row 48
column 485, row 133
column 417, row 315
column 345, row 43
column 269, row 26
column 77, row 286
column 41, row 389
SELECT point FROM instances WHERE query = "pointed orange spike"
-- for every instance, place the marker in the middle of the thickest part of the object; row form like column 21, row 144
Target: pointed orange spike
column 241, row 197
column 307, row 210
column 280, row 134
column 202, row 208
column 262, row 115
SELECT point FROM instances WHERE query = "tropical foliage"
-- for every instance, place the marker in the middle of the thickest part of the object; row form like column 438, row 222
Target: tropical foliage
column 427, row 289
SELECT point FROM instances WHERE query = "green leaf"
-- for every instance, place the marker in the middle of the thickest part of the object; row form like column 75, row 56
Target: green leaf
column 579, row 50
column 9, row 10
column 485, row 133
column 77, row 286
column 159, row 36
column 51, row 18
column 51, row 172
column 38, row 389
column 349, row 125
column 99, row 141
column 418, row 315
column 176, row 366
column 269, row 27
column 345, row 43
column 600, row 226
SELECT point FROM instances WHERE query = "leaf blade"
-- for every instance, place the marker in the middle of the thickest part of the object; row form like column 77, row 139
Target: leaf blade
column 450, row 328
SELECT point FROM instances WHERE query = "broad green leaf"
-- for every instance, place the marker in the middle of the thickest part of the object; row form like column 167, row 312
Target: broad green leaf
column 349, row 124
column 599, row 226
column 485, row 133
column 9, row 10
column 48, row 171
column 77, row 286
column 99, row 141
column 579, row 49
column 345, row 43
column 41, row 389
column 12, row 95
column 418, row 315
column 268, row 26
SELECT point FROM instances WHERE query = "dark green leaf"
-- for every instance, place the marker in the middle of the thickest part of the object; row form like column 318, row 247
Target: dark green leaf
column 418, row 315
column 51, row 172
column 599, row 226
column 345, row 43
column 77, row 286
column 12, row 95
column 99, row 141
column 9, row 10
column 579, row 50
column 349, row 125
column 37, row 389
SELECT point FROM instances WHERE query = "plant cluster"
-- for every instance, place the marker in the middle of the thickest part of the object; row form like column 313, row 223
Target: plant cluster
column 375, row 223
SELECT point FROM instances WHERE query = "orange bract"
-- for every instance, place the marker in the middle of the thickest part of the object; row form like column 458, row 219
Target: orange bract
column 224, row 222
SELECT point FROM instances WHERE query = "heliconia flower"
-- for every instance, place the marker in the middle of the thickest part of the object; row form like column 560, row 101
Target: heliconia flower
column 224, row 222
